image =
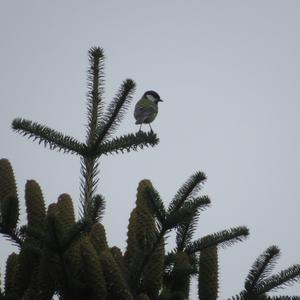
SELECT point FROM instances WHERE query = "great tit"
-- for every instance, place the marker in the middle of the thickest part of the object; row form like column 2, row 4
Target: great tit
column 146, row 108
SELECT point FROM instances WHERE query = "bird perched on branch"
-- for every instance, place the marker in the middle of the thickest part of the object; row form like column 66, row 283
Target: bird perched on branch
column 146, row 108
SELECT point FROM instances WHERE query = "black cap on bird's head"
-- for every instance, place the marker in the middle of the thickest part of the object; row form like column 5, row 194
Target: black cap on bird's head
column 153, row 96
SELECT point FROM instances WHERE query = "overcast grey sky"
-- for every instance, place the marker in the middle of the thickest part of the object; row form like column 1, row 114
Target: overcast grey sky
column 229, row 74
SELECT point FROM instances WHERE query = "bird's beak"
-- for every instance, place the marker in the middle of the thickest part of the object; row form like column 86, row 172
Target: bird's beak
column 160, row 100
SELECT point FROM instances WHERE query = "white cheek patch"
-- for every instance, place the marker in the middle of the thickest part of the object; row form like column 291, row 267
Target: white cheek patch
column 151, row 98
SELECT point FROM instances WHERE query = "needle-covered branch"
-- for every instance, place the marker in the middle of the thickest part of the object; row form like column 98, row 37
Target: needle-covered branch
column 284, row 298
column 88, row 185
column 189, row 189
column 95, row 93
column 186, row 230
column 48, row 136
column 262, row 267
column 116, row 110
column 284, row 278
column 223, row 238
column 98, row 208
column 258, row 283
column 127, row 143
column 99, row 129
column 180, row 216
column 12, row 236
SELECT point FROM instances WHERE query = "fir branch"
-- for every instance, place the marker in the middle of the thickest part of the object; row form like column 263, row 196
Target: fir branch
column 262, row 267
column 223, row 238
column 126, row 143
column 48, row 136
column 284, row 298
column 12, row 236
column 178, row 217
column 243, row 296
column 98, row 208
column 188, row 189
column 88, row 184
column 237, row 297
column 96, row 89
column 116, row 110
column 186, row 229
column 284, row 278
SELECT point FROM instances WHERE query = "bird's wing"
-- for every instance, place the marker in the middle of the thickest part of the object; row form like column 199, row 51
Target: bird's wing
column 141, row 113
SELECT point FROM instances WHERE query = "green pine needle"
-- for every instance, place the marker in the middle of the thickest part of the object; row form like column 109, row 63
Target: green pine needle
column 284, row 278
column 262, row 267
column 186, row 229
column 116, row 110
column 237, row 297
column 180, row 216
column 127, row 143
column 284, row 298
column 223, row 239
column 88, row 182
column 48, row 136
column 95, row 93
column 13, row 236
column 98, row 208
column 188, row 190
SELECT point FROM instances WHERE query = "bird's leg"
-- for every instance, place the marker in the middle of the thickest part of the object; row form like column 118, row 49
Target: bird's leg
column 150, row 127
column 140, row 128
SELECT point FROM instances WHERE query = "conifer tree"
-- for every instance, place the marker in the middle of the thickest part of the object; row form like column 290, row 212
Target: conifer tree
column 59, row 255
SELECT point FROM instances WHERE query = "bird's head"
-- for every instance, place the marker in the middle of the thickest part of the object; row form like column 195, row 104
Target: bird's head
column 152, row 96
